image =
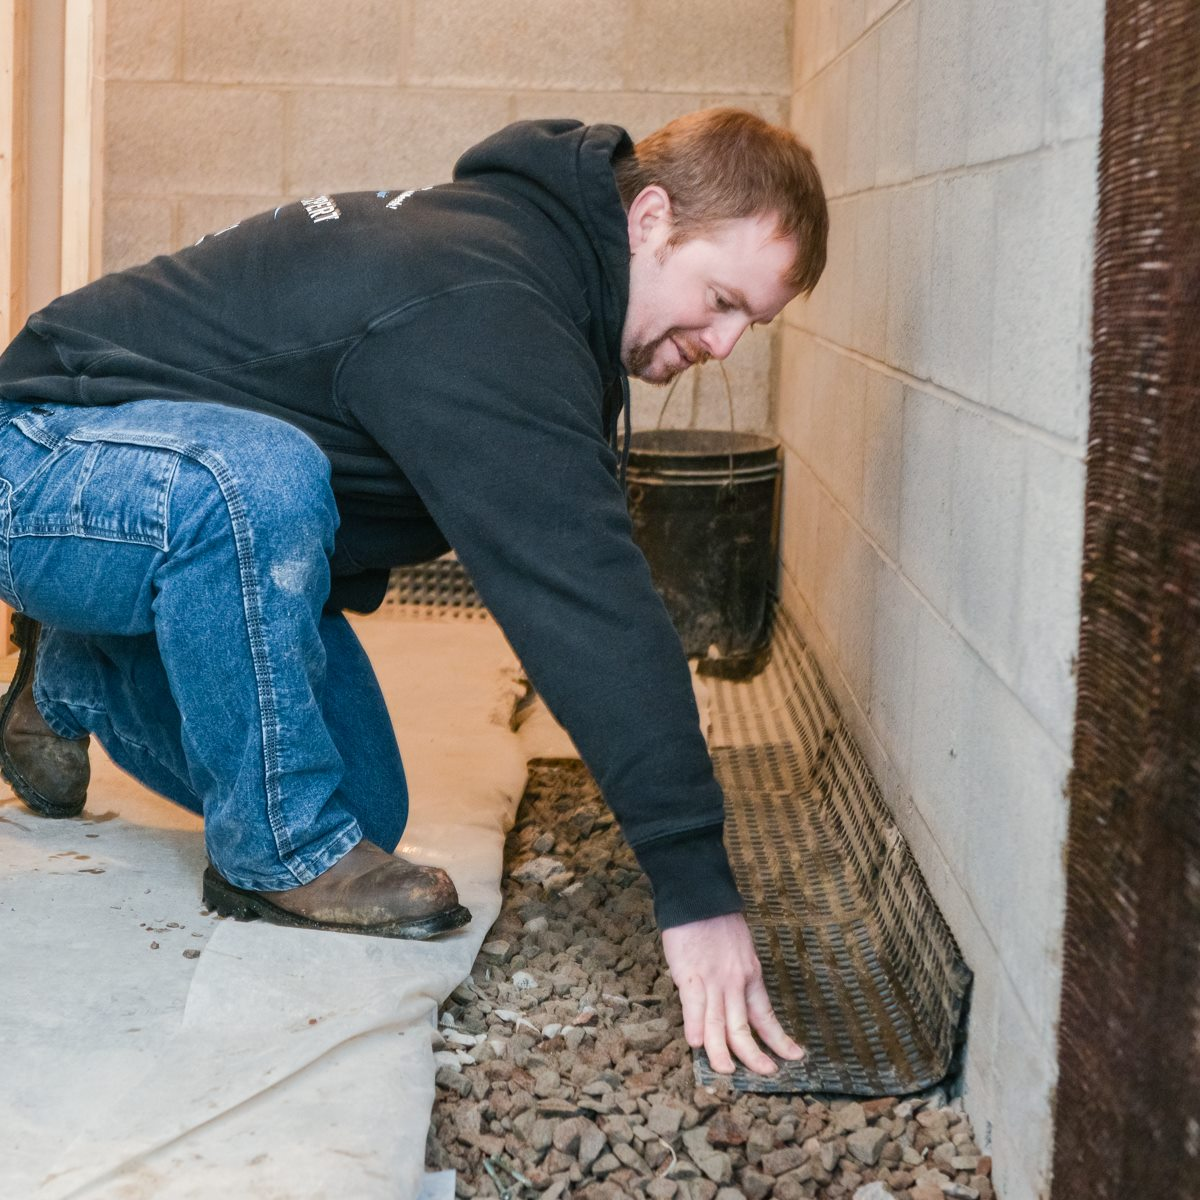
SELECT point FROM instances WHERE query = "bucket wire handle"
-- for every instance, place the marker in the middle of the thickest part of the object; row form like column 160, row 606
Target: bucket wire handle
column 728, row 400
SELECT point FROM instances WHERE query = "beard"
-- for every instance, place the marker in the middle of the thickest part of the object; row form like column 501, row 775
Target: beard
column 641, row 356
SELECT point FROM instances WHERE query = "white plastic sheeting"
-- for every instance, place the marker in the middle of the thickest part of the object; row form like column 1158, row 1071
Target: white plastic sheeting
column 280, row 1064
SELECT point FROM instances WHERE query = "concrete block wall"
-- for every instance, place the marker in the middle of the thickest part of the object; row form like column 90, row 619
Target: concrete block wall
column 933, row 405
column 221, row 108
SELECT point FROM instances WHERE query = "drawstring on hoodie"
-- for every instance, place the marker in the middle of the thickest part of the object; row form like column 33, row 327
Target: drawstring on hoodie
column 621, row 448
column 626, row 407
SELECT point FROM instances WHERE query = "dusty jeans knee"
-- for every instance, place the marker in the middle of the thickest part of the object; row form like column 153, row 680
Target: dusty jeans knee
column 177, row 555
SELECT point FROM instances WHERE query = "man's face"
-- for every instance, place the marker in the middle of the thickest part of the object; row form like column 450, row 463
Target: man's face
column 692, row 301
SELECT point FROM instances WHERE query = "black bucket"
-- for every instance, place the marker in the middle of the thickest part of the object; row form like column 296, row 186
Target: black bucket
column 705, row 509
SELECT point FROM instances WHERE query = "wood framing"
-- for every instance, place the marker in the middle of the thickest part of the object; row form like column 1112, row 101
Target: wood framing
column 83, row 142
column 13, row 67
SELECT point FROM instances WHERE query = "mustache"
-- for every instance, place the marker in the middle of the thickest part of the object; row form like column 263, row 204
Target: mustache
column 696, row 354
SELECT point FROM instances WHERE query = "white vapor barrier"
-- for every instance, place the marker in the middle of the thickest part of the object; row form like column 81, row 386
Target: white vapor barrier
column 276, row 1062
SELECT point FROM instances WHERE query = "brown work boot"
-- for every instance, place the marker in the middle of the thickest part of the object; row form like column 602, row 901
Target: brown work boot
column 50, row 773
column 366, row 891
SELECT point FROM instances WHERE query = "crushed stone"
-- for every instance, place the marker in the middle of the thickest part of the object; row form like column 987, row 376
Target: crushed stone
column 563, row 1070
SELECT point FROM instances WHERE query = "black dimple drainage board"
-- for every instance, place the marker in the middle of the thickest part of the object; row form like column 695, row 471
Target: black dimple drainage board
column 440, row 588
column 859, row 962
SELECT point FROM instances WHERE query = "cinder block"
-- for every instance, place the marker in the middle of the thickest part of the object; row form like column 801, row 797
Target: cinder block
column 926, row 477
column 846, row 569
column 804, row 120
column 202, row 215
column 638, row 112
column 303, row 41
column 833, row 112
column 986, row 536
column 1075, row 32
column 893, row 665
column 1015, row 779
column 793, row 411
column 167, row 138
column 868, row 331
column 1025, row 1108
column 143, row 39
column 963, row 270
column 1013, row 1175
column 984, row 1063
column 823, row 399
column 1041, row 337
column 883, row 449
column 879, row 8
column 859, row 569
column 401, row 139
column 943, row 84
column 943, row 880
column 839, row 271
column 947, row 673
column 808, row 312
column 832, row 530
column 135, row 230
column 525, row 45
column 910, row 257
column 1004, row 100
column 897, row 123
column 863, row 103
column 798, row 524
column 837, row 431
column 804, row 41
column 826, row 32
column 1047, row 608
column 688, row 45
column 852, row 20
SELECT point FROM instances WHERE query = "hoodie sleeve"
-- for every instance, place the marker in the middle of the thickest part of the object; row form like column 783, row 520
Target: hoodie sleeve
column 488, row 399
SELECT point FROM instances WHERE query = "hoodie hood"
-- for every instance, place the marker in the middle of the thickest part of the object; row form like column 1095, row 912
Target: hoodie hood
column 565, row 168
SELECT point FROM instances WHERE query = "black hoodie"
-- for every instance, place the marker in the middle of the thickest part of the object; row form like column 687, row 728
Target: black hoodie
column 455, row 351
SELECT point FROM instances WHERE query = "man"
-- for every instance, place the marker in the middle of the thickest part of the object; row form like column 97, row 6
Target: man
column 204, row 460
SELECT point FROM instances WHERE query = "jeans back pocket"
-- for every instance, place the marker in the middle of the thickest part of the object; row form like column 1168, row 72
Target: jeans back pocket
column 109, row 490
column 7, row 591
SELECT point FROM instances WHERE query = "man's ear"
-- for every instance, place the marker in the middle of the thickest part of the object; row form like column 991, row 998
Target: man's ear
column 649, row 218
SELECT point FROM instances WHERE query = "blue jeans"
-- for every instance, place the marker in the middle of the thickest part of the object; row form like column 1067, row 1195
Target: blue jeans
column 177, row 555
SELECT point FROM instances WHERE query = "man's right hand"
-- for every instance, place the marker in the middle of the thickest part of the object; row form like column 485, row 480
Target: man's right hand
column 723, row 996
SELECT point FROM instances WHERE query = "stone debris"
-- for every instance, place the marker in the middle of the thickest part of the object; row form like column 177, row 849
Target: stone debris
column 866, row 1144
column 874, row 1191
column 538, row 870
column 562, row 1070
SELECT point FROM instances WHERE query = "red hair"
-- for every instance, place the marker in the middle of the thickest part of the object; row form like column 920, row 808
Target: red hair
column 721, row 164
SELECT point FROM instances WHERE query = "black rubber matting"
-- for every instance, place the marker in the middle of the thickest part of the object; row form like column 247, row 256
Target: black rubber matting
column 441, row 588
column 859, row 962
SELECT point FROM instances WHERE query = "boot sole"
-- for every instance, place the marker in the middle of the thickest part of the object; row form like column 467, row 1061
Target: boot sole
column 224, row 898
column 26, row 792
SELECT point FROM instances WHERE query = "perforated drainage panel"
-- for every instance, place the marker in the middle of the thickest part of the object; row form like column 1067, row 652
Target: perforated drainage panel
column 440, row 589
column 859, row 963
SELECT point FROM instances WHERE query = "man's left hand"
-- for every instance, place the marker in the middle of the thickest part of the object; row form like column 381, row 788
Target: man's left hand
column 723, row 995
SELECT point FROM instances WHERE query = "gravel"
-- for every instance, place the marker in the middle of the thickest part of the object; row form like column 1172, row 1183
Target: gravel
column 562, row 1070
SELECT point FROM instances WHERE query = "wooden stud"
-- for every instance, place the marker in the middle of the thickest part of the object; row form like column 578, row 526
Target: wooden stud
column 13, row 77
column 14, row 42
column 83, row 142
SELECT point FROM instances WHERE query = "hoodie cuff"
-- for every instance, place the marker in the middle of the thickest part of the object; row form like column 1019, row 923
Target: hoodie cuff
column 691, row 877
